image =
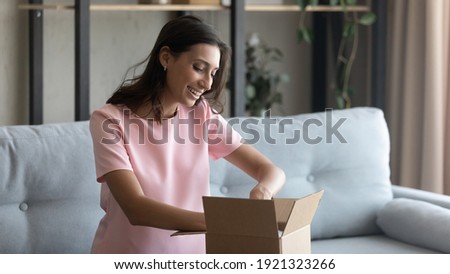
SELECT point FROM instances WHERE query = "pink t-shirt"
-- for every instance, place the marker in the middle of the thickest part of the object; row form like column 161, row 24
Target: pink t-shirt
column 171, row 162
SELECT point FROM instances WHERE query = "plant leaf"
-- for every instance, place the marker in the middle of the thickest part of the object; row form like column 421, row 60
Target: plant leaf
column 367, row 18
column 350, row 2
column 340, row 101
column 250, row 92
column 314, row 2
column 349, row 29
column 300, row 35
column 304, row 34
column 307, row 35
column 302, row 3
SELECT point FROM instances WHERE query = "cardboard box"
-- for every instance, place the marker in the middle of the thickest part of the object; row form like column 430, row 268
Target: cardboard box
column 246, row 226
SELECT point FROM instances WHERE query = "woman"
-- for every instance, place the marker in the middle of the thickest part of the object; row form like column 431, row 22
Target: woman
column 152, row 143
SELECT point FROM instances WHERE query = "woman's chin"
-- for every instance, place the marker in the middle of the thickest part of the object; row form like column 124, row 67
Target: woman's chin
column 191, row 103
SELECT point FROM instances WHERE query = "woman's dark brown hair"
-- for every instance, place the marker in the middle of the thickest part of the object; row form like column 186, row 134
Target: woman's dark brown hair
column 179, row 34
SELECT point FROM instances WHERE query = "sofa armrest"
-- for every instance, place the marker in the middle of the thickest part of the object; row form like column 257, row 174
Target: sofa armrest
column 421, row 195
column 416, row 222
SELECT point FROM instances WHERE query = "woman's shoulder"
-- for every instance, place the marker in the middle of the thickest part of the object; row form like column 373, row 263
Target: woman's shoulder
column 110, row 111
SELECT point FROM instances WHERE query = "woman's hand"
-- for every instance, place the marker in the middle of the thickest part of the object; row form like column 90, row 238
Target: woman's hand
column 261, row 192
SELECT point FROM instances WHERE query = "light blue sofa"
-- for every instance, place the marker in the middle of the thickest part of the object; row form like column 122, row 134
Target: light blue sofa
column 49, row 198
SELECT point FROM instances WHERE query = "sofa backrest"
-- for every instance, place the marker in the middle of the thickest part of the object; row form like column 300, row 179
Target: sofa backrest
column 344, row 152
column 49, row 198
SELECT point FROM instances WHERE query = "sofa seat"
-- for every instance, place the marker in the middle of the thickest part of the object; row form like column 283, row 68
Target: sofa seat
column 372, row 244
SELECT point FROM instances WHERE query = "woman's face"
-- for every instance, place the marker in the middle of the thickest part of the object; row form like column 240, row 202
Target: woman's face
column 189, row 75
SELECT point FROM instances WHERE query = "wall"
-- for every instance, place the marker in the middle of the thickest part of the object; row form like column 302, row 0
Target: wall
column 13, row 71
column 118, row 41
column 278, row 29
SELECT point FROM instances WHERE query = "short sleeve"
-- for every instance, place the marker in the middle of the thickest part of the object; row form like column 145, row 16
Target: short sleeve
column 109, row 149
column 222, row 138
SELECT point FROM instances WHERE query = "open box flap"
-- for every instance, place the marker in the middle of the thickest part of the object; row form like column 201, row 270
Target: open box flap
column 246, row 217
column 283, row 208
column 302, row 212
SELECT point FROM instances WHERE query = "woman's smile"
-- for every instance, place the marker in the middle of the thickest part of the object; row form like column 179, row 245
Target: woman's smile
column 195, row 93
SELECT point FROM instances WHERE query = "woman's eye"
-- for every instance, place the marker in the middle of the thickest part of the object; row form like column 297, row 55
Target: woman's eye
column 199, row 69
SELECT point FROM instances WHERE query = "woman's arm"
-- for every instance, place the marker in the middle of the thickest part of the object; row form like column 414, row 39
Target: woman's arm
column 143, row 211
column 270, row 177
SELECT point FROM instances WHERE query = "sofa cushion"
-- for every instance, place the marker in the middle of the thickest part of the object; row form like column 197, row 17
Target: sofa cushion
column 49, row 198
column 344, row 152
column 407, row 220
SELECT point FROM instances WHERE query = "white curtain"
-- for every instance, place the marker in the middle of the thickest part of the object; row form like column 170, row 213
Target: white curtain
column 418, row 93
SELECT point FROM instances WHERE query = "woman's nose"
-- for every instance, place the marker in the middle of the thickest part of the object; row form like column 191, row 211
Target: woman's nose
column 206, row 82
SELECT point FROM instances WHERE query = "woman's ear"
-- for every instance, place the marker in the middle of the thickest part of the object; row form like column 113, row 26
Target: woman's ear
column 164, row 56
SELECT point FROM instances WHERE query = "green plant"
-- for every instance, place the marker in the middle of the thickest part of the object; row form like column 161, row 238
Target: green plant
column 348, row 45
column 262, row 83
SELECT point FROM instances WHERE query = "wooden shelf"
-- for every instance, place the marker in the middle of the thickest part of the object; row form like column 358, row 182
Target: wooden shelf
column 153, row 7
column 82, row 10
column 156, row 7
column 296, row 8
column 45, row 7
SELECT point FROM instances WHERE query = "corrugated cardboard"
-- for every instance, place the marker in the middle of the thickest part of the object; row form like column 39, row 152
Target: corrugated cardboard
column 259, row 226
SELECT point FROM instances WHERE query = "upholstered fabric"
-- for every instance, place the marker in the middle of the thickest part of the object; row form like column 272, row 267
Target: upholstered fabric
column 49, row 198
column 371, row 244
column 422, row 195
column 50, row 202
column 350, row 162
column 407, row 220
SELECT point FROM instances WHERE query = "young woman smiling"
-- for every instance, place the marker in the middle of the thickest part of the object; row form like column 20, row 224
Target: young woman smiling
column 149, row 189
